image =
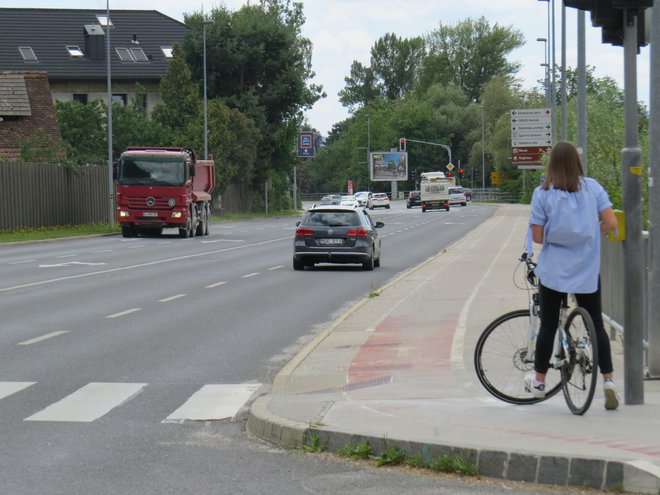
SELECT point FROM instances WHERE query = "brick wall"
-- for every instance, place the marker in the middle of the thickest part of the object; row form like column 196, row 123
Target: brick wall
column 42, row 121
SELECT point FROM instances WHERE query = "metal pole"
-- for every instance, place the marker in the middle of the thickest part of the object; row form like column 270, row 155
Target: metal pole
column 553, row 93
column 111, row 185
column 206, row 117
column 582, row 90
column 547, row 71
column 564, row 122
column 483, row 153
column 633, row 264
column 653, row 293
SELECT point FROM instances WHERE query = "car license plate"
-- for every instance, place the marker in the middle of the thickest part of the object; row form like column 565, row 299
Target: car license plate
column 149, row 214
column 332, row 241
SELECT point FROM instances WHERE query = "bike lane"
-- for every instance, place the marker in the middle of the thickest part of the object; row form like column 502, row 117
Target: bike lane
column 397, row 369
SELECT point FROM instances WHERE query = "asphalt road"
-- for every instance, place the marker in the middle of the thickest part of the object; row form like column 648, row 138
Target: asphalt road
column 121, row 359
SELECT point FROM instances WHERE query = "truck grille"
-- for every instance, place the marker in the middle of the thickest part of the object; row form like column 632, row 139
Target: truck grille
column 137, row 202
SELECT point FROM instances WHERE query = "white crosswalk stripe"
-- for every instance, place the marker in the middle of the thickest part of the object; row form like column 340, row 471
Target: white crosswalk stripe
column 10, row 388
column 96, row 399
column 89, row 402
column 213, row 402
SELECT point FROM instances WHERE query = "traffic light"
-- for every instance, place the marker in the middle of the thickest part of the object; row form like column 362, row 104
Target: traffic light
column 448, row 174
column 609, row 15
column 460, row 173
column 402, row 144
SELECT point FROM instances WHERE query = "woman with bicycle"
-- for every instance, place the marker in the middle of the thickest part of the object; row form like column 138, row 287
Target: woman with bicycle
column 569, row 214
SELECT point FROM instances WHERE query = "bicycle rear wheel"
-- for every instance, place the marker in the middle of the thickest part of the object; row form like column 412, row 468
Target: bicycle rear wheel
column 501, row 360
column 579, row 373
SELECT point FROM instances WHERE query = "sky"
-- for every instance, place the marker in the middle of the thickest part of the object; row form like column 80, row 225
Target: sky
column 342, row 31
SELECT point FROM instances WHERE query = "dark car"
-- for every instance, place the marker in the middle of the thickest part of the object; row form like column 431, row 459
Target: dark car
column 336, row 234
column 414, row 199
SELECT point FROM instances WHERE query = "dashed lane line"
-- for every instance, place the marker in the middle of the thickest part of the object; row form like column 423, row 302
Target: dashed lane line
column 124, row 313
column 43, row 337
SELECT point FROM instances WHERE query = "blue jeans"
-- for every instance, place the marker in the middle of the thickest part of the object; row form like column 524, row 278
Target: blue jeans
column 550, row 302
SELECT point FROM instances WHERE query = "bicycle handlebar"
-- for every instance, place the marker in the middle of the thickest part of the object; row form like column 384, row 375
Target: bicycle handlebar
column 531, row 276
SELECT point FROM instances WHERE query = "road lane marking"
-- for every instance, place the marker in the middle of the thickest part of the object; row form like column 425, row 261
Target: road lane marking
column 458, row 342
column 250, row 275
column 124, row 313
column 277, row 267
column 71, row 263
column 214, row 402
column 142, row 265
column 10, row 388
column 103, row 251
column 43, row 337
column 66, row 256
column 89, row 402
column 217, row 284
column 221, row 240
column 172, row 298
column 21, row 262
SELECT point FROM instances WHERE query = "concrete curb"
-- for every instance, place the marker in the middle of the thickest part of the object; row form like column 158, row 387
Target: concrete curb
column 603, row 474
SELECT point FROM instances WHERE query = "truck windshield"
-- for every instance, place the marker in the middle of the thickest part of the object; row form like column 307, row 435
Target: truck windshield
column 152, row 170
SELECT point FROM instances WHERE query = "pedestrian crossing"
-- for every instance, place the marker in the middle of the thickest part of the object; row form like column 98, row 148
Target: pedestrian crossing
column 94, row 400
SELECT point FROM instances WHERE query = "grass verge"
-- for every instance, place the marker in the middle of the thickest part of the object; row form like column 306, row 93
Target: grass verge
column 58, row 232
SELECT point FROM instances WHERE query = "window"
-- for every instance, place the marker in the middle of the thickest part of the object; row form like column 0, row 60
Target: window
column 120, row 98
column 124, row 54
column 139, row 55
column 103, row 20
column 132, row 54
column 168, row 51
column 28, row 54
column 75, row 51
column 80, row 98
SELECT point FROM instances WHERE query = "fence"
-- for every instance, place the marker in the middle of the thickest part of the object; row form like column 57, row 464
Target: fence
column 44, row 195
column 612, row 286
column 34, row 195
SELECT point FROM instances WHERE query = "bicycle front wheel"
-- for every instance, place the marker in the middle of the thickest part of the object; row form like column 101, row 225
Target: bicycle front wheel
column 579, row 373
column 501, row 359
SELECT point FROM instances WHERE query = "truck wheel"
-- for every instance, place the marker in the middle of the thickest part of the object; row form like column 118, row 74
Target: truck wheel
column 208, row 220
column 127, row 231
column 186, row 231
column 201, row 223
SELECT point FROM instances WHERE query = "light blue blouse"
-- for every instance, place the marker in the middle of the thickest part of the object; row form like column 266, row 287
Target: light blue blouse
column 570, row 258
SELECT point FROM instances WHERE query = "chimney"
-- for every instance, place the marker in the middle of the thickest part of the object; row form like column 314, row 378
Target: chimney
column 94, row 42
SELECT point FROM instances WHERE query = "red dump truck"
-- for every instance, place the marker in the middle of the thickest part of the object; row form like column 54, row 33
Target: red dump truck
column 159, row 188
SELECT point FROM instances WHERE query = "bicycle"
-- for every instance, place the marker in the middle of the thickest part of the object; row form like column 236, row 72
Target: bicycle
column 504, row 353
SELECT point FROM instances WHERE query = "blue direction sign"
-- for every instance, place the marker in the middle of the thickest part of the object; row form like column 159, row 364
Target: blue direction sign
column 306, row 145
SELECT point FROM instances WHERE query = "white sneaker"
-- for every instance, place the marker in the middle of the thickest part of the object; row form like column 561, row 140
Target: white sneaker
column 611, row 397
column 537, row 389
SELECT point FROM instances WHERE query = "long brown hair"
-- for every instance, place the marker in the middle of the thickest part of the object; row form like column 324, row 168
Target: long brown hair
column 564, row 168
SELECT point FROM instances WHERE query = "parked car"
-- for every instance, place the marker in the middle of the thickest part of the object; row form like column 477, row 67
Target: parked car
column 414, row 199
column 336, row 234
column 457, row 196
column 362, row 197
column 349, row 201
column 379, row 200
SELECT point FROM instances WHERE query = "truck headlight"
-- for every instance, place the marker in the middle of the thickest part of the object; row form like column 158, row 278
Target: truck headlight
column 124, row 214
column 177, row 214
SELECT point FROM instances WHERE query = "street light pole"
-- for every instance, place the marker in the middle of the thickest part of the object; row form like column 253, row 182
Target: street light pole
column 551, row 63
column 111, row 186
column 547, row 71
column 483, row 154
column 206, row 117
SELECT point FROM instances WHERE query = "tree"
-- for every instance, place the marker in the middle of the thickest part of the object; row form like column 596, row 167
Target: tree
column 469, row 54
column 83, row 129
column 394, row 69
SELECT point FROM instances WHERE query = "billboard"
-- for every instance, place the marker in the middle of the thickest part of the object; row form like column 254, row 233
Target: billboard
column 388, row 165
